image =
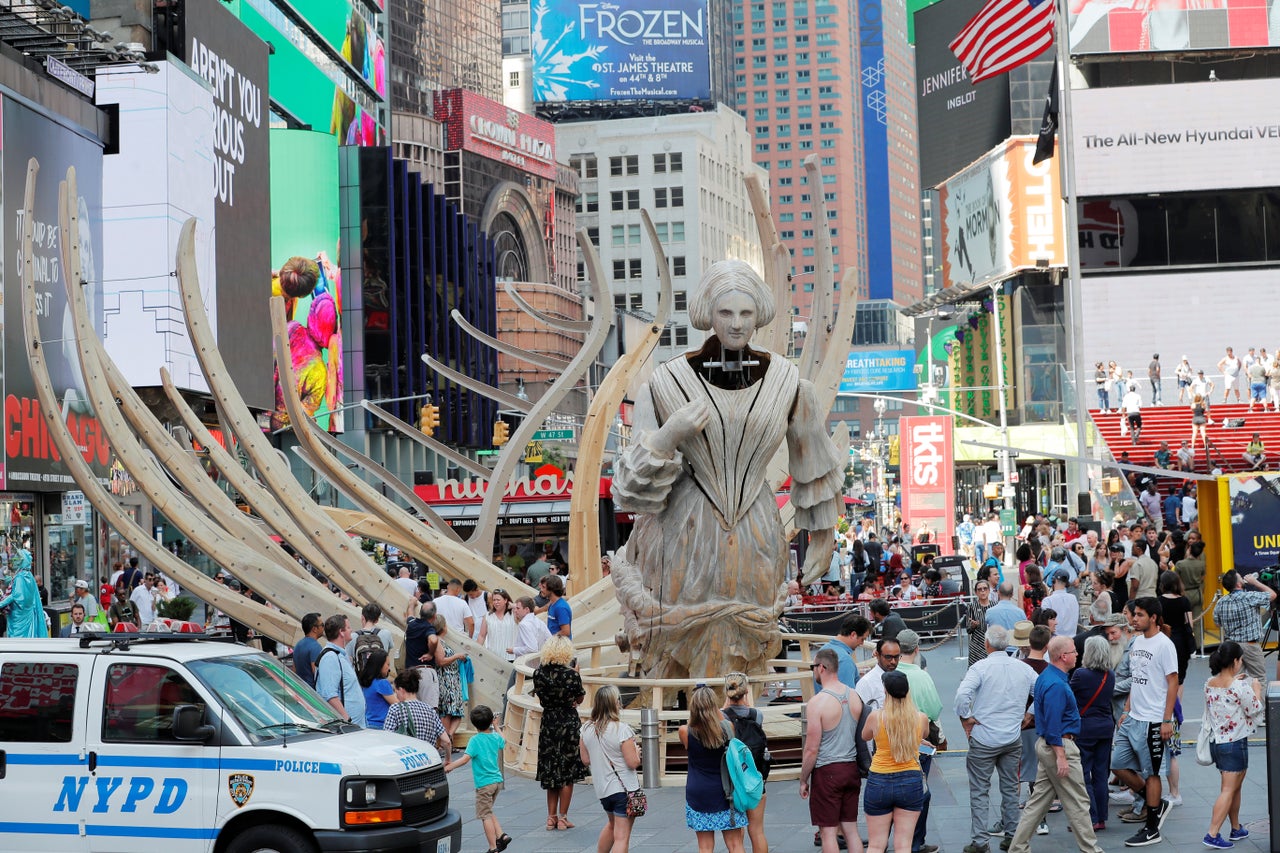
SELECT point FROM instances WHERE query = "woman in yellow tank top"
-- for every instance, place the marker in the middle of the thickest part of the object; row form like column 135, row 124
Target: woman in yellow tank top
column 895, row 786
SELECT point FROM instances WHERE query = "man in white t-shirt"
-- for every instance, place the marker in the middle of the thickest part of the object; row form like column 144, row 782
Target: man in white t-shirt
column 144, row 598
column 455, row 610
column 477, row 601
column 1230, row 367
column 1147, row 722
column 870, row 687
column 406, row 582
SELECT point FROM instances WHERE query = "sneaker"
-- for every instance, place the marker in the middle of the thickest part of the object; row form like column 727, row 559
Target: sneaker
column 1056, row 807
column 1042, row 828
column 1239, row 833
column 1008, row 840
column 1174, row 801
column 977, row 848
column 926, row 848
column 1144, row 837
column 1099, row 826
column 997, row 829
column 1162, row 814
column 1124, row 796
column 1139, row 816
column 1217, row 842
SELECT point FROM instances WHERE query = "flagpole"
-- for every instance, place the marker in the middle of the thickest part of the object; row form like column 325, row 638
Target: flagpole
column 1074, row 301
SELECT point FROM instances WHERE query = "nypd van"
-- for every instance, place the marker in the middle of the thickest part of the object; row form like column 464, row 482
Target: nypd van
column 156, row 743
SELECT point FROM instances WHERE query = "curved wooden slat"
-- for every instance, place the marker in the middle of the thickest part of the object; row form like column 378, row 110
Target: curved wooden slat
column 563, row 325
column 484, row 389
column 438, row 447
column 546, row 362
column 357, row 573
column 584, row 504
column 777, row 267
column 822, row 313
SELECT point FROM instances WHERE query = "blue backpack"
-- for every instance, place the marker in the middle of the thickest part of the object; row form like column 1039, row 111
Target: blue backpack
column 743, row 785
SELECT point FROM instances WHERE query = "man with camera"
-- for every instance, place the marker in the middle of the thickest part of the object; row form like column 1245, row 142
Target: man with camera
column 1237, row 616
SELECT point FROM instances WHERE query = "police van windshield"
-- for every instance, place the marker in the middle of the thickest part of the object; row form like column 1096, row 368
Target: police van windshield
column 265, row 698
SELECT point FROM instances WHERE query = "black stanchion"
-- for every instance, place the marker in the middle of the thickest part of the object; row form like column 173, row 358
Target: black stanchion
column 1273, row 761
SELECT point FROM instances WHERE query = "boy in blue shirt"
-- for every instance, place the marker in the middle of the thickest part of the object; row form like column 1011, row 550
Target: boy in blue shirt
column 485, row 748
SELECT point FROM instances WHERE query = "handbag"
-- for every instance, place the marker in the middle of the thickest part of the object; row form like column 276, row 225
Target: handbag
column 637, row 801
column 1204, row 753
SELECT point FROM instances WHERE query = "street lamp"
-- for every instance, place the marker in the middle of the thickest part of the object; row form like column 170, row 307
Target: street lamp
column 882, row 489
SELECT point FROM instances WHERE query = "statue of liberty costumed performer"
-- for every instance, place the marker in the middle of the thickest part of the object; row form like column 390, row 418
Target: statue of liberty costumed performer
column 26, row 615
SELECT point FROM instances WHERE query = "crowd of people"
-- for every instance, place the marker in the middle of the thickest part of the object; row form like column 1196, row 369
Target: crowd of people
column 1256, row 374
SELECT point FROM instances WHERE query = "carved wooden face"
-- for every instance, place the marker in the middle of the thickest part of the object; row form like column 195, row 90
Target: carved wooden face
column 733, row 320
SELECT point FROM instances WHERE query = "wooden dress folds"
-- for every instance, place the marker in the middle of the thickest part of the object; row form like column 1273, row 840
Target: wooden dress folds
column 702, row 580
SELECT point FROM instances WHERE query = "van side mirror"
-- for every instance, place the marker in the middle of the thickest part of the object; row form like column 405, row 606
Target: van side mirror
column 189, row 725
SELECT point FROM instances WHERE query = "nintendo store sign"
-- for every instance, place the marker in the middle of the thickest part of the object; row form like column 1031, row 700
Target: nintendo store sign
column 481, row 126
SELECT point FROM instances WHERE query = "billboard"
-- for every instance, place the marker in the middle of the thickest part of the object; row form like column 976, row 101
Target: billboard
column 1002, row 214
column 875, row 150
column 305, row 269
column 161, row 176
column 886, row 370
column 234, row 64
column 1177, row 137
column 341, row 95
column 594, row 50
column 1255, row 521
column 31, row 461
column 476, row 124
column 1140, row 26
column 963, row 120
column 927, row 472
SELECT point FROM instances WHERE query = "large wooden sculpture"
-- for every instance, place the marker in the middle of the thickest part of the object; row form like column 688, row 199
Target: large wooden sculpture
column 702, row 579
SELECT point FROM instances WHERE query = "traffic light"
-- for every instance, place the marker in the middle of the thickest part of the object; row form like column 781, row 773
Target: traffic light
column 500, row 433
column 428, row 418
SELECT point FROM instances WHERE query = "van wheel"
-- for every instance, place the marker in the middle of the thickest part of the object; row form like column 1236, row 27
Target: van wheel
column 271, row 839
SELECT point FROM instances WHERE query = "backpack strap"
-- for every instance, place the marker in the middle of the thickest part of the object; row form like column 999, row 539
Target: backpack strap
column 342, row 679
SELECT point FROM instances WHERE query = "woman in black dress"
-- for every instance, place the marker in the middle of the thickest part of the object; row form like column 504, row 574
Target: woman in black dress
column 559, row 689
column 1175, row 608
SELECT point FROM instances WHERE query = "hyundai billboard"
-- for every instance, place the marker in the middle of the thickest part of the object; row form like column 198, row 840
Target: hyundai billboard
column 631, row 51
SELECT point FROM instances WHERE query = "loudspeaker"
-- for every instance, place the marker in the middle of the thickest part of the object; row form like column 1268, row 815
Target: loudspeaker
column 1084, row 503
column 424, row 478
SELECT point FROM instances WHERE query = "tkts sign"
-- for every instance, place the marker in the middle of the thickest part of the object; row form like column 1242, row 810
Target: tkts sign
column 928, row 476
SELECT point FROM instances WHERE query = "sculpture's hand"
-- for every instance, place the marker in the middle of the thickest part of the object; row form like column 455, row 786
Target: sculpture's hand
column 818, row 558
column 686, row 421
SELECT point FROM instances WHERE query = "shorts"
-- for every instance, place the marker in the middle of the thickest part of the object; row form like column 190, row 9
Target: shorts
column 833, row 794
column 888, row 791
column 484, row 800
column 1135, row 421
column 1258, row 391
column 615, row 804
column 1229, row 382
column 1198, row 420
column 1138, row 747
column 1232, row 756
column 1184, row 383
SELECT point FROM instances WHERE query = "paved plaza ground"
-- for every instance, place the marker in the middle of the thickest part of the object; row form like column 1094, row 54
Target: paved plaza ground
column 522, row 806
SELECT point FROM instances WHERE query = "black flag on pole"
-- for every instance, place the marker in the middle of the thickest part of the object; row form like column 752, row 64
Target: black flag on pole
column 1048, row 124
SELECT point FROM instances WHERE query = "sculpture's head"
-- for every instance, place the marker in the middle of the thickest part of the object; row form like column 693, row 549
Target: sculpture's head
column 733, row 301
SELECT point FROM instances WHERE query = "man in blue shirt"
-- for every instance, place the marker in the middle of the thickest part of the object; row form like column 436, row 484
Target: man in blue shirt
column 308, row 648
column 336, row 680
column 853, row 632
column 1005, row 613
column 559, row 616
column 1058, row 772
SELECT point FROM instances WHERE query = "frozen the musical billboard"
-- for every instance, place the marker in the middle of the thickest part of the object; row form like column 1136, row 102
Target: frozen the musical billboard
column 595, row 50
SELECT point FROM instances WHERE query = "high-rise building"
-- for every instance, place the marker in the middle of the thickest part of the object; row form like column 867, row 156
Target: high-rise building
column 902, row 133
column 798, row 64
column 688, row 171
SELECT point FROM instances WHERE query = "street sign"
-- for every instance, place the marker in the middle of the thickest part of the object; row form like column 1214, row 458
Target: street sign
column 1013, row 476
column 487, row 452
column 553, row 435
column 1008, row 522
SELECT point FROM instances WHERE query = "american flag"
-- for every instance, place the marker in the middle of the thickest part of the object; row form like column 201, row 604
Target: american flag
column 1004, row 35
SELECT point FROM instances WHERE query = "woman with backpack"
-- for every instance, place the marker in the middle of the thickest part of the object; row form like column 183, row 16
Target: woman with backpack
column 413, row 717
column 706, row 809
column 608, row 746
column 748, row 727
column 378, row 693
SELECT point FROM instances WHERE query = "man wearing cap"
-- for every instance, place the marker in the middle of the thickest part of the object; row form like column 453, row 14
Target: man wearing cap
column 1058, row 771
column 991, row 702
column 925, row 694
column 829, row 776
column 871, row 686
column 1062, row 601
column 84, row 598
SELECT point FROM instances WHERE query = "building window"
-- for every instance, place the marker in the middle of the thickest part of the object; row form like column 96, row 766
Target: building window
column 620, row 301
column 677, row 232
column 682, row 336
column 664, row 339
column 679, row 300
column 593, row 234
column 667, row 163
column 587, row 202
column 668, row 197
column 513, row 80
column 619, row 269
column 624, row 166
column 625, row 199
column 633, row 268
column 635, row 301
column 584, row 165
column 678, row 266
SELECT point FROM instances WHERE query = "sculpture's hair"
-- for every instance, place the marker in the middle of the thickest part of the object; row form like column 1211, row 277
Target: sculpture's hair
column 723, row 278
